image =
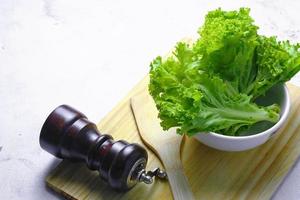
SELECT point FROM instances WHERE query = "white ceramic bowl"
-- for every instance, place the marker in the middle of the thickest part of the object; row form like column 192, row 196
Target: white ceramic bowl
column 259, row 133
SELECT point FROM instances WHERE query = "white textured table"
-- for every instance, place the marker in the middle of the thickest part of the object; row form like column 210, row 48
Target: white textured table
column 54, row 52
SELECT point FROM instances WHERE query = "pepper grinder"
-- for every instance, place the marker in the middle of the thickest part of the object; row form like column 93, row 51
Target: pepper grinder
column 68, row 134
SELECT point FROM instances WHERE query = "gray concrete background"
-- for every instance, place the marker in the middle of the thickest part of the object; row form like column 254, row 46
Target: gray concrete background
column 89, row 54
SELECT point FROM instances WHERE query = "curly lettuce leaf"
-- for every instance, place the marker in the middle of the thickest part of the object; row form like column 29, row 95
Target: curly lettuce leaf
column 227, row 44
column 277, row 62
column 195, row 101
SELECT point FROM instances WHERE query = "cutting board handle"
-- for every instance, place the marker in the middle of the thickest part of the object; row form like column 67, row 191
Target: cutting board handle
column 178, row 181
column 179, row 184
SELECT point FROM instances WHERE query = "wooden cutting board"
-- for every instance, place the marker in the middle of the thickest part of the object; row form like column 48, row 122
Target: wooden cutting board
column 212, row 174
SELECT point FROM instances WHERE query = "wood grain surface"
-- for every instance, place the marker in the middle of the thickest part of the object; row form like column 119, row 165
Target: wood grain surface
column 212, row 174
column 165, row 144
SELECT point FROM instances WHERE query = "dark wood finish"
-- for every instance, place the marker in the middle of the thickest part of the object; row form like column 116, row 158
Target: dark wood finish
column 68, row 134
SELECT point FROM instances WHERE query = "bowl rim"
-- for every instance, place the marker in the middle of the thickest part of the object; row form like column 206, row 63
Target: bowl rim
column 274, row 128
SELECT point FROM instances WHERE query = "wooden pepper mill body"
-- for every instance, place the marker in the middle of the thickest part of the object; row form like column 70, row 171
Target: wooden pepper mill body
column 68, row 134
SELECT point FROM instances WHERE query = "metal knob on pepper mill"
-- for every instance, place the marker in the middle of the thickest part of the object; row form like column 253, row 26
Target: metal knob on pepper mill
column 68, row 134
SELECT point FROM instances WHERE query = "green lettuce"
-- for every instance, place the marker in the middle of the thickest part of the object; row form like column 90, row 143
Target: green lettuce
column 276, row 62
column 211, row 85
column 227, row 43
column 195, row 101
